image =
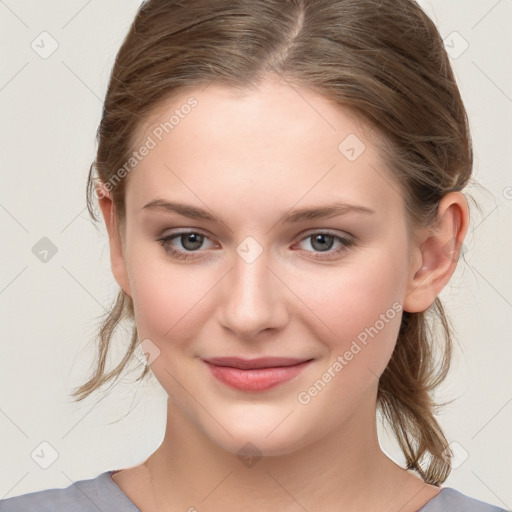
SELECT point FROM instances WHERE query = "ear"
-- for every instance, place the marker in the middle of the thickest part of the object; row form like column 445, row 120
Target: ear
column 437, row 252
column 117, row 259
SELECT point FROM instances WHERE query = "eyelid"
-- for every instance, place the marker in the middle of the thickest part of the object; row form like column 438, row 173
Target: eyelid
column 326, row 231
column 185, row 231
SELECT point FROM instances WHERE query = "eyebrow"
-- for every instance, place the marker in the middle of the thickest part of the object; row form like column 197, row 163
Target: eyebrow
column 291, row 217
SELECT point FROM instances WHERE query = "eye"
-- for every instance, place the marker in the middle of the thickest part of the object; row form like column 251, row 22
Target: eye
column 190, row 241
column 322, row 242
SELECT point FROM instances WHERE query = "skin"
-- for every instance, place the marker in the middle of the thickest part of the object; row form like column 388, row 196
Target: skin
column 248, row 158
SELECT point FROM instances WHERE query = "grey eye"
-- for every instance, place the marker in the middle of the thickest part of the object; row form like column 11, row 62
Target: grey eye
column 191, row 241
column 322, row 242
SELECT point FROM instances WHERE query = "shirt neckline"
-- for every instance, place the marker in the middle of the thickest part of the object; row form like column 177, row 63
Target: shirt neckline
column 114, row 487
column 110, row 482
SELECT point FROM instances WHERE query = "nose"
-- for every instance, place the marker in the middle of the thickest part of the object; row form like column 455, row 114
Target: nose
column 253, row 298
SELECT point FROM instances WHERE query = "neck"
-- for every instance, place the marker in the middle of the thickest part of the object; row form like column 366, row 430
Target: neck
column 345, row 466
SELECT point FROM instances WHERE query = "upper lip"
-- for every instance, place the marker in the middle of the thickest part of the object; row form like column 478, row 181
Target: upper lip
column 247, row 364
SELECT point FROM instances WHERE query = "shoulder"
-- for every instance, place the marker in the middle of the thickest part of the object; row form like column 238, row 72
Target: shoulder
column 99, row 493
column 451, row 500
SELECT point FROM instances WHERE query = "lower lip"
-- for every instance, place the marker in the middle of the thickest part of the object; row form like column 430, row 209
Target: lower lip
column 259, row 379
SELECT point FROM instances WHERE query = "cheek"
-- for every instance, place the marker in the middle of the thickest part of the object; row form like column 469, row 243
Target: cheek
column 167, row 297
column 358, row 310
column 362, row 310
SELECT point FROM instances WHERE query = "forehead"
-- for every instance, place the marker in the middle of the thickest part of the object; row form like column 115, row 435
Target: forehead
column 277, row 141
column 266, row 107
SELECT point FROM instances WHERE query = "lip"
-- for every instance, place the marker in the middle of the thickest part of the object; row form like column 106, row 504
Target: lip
column 255, row 374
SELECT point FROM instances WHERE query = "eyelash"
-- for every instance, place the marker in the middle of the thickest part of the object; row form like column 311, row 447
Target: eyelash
column 182, row 255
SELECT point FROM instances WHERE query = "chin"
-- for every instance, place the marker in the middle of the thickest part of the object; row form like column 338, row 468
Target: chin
column 262, row 439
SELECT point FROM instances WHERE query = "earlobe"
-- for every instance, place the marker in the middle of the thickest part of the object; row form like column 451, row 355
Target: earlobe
column 117, row 259
column 438, row 253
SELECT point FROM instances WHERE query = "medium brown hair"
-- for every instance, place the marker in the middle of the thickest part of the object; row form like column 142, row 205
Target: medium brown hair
column 385, row 60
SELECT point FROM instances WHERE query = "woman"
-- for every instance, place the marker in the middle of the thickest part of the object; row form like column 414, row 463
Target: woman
column 281, row 184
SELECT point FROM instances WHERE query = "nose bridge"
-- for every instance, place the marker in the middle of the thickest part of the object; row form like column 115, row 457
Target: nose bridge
column 252, row 297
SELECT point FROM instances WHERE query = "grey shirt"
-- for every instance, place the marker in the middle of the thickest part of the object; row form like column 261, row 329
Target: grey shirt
column 101, row 494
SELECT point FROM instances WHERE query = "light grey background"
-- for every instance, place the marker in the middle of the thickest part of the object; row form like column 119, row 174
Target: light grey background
column 50, row 110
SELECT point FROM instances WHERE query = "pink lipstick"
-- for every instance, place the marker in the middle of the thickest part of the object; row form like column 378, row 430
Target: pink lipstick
column 255, row 374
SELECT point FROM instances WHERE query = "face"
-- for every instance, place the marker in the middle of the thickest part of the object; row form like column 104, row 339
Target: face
column 252, row 278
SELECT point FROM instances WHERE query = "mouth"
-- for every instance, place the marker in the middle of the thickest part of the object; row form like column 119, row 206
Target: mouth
column 255, row 374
